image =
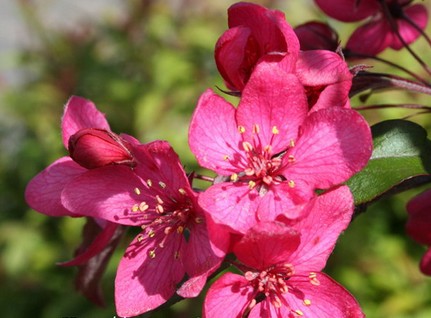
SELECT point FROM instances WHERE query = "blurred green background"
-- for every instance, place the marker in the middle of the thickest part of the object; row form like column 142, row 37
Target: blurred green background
column 144, row 64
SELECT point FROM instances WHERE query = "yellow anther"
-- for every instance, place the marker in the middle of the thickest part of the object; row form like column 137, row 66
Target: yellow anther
column 225, row 157
column 247, row 146
column 307, row 302
column 180, row 229
column 241, row 129
column 152, row 253
column 159, row 209
column 292, row 143
column 256, row 128
column 267, row 148
column 143, row 206
column 140, row 238
column 151, row 233
column 234, row 177
column 135, row 208
column 291, row 183
column 149, row 182
column 251, row 184
column 298, row 312
column 275, row 130
column 182, row 191
column 313, row 279
column 162, row 184
column 137, row 191
column 159, row 199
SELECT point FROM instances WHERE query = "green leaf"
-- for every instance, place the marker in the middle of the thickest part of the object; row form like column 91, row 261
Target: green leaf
column 401, row 160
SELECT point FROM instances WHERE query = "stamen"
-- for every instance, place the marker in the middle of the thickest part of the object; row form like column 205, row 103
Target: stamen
column 291, row 158
column 313, row 279
column 298, row 312
column 234, row 177
column 247, row 146
column 149, row 182
column 291, row 183
column 137, row 191
column 143, row 206
column 152, row 253
column 256, row 128
column 225, row 157
column 162, row 184
column 182, row 191
column 159, row 209
column 307, row 302
column 241, row 129
column 135, row 208
column 140, row 238
column 275, row 130
column 159, row 199
column 151, row 233
column 251, row 184
column 292, row 143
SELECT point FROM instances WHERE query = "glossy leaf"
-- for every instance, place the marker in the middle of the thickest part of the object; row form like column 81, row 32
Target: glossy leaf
column 401, row 160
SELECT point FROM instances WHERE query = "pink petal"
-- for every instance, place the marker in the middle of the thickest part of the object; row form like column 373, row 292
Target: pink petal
column 348, row 10
column 144, row 282
column 202, row 257
column 214, row 136
column 371, row 38
column 335, row 144
column 107, row 193
column 229, row 296
column 269, row 27
column 266, row 244
column 235, row 56
column 43, row 192
column 425, row 264
column 80, row 113
column 321, row 297
column 324, row 219
column 419, row 15
column 419, row 221
column 272, row 98
column 99, row 243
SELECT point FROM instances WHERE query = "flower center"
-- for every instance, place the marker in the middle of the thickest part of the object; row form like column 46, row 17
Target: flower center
column 168, row 214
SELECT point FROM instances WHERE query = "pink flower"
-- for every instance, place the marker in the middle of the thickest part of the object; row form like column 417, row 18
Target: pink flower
column 282, row 265
column 174, row 240
column 316, row 35
column 419, row 225
column 377, row 34
column 254, row 33
column 273, row 155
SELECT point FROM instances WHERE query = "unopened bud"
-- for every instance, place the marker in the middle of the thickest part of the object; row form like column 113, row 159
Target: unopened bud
column 94, row 148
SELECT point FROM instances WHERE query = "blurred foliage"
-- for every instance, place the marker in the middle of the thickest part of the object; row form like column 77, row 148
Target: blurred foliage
column 146, row 70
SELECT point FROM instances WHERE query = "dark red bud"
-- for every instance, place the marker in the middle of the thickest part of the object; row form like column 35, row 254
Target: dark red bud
column 94, row 148
column 317, row 36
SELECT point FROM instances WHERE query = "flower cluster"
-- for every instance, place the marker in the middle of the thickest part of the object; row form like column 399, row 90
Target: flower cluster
column 281, row 156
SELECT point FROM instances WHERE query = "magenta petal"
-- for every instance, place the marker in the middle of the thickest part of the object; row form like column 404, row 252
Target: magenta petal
column 419, row 15
column 230, row 57
column 214, row 136
column 80, row 113
column 266, row 244
column 321, row 297
column 43, row 192
column 97, row 246
column 229, row 296
column 371, row 38
column 335, row 144
column 145, row 280
column 419, row 221
column 348, row 10
column 282, row 105
column 333, row 210
column 425, row 264
column 231, row 204
column 107, row 193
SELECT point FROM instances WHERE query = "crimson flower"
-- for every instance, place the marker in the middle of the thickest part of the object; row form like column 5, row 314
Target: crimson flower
column 273, row 155
column 387, row 18
column 419, row 225
column 281, row 265
column 254, row 33
column 174, row 239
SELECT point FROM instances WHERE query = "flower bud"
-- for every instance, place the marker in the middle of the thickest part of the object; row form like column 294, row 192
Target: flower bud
column 93, row 148
column 317, row 36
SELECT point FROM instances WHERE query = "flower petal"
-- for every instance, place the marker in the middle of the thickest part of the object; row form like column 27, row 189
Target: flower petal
column 108, row 193
column 425, row 264
column 370, row 38
column 348, row 10
column 335, row 144
column 213, row 136
column 145, row 280
column 274, row 100
column 323, row 220
column 229, row 296
column 43, row 192
column 80, row 113
column 318, row 295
